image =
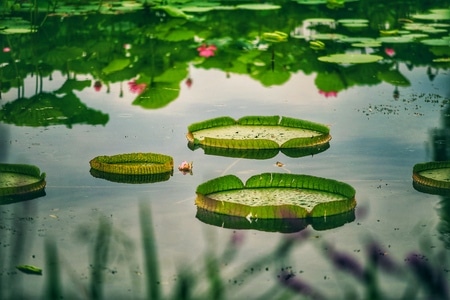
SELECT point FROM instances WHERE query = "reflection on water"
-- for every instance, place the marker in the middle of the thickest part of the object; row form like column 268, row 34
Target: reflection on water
column 133, row 82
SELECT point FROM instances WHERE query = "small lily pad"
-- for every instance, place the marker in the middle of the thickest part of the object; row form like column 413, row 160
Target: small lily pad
column 276, row 196
column 257, row 132
column 258, row 6
column 436, row 42
column 29, row 269
column 132, row 167
column 20, row 181
column 432, row 177
column 395, row 39
column 350, row 58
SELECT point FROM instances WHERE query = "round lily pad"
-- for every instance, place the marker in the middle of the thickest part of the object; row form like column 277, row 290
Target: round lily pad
column 257, row 132
column 432, row 177
column 258, row 6
column 276, row 196
column 20, row 181
column 436, row 42
column 350, row 58
column 133, row 167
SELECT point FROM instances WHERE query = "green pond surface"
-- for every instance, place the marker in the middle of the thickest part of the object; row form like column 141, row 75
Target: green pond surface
column 86, row 85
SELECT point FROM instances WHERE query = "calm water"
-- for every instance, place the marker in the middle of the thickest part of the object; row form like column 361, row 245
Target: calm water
column 377, row 139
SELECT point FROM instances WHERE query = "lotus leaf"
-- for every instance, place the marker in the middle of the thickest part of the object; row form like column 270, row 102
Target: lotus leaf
column 258, row 6
column 276, row 196
column 436, row 42
column 350, row 58
column 257, row 132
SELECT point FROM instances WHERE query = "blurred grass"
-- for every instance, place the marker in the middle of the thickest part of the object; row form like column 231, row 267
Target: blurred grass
column 423, row 276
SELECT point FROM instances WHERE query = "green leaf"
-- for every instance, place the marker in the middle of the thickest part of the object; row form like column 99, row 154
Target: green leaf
column 174, row 12
column 72, row 84
column 350, row 58
column 158, row 95
column 133, row 163
column 28, row 269
column 116, row 65
column 258, row 6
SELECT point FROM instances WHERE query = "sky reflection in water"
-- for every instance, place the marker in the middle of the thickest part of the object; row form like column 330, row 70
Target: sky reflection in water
column 376, row 141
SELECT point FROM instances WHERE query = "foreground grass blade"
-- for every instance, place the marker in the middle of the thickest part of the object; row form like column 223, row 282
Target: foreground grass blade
column 150, row 254
column 53, row 289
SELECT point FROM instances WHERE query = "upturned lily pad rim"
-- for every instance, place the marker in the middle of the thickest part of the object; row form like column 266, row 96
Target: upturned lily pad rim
column 275, row 121
column 25, row 189
column 275, row 180
column 437, row 185
column 133, row 163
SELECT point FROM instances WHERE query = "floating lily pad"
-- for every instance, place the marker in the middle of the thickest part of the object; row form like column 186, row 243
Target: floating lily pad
column 311, row 2
column 20, row 182
column 395, row 39
column 432, row 177
column 133, row 167
column 258, row 6
column 434, row 15
column 287, row 225
column 350, row 58
column 276, row 196
column 436, row 42
column 257, row 132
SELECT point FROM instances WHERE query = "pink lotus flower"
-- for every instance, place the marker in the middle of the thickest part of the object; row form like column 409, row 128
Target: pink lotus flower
column 6, row 49
column 206, row 50
column 329, row 94
column 136, row 88
column 389, row 52
column 189, row 82
column 97, row 86
column 185, row 167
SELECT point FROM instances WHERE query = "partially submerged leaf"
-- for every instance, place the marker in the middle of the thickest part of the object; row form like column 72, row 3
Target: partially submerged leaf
column 29, row 269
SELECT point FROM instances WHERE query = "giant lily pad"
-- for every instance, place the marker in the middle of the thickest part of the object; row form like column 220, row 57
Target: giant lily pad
column 20, row 182
column 133, row 167
column 276, row 196
column 432, row 177
column 287, row 225
column 257, row 132
column 350, row 58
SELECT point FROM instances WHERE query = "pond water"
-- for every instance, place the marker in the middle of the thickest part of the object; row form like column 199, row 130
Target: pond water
column 89, row 84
